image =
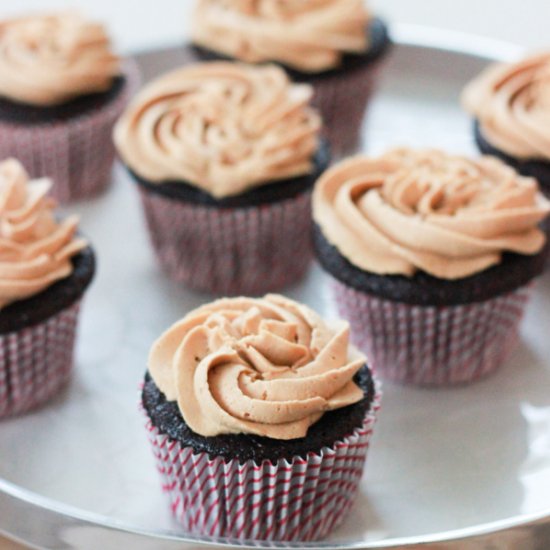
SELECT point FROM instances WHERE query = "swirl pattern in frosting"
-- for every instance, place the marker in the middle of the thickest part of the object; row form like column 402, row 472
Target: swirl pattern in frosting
column 511, row 102
column 35, row 249
column 223, row 127
column 311, row 36
column 49, row 59
column 266, row 366
column 409, row 211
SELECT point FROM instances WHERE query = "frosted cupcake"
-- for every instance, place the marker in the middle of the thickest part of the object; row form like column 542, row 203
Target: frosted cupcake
column 260, row 416
column 225, row 156
column 510, row 103
column 335, row 45
column 61, row 90
column 45, row 268
column 431, row 257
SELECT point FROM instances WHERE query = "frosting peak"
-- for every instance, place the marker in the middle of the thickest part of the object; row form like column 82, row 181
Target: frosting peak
column 511, row 102
column 445, row 215
column 224, row 127
column 266, row 366
column 310, row 36
column 50, row 59
column 35, row 249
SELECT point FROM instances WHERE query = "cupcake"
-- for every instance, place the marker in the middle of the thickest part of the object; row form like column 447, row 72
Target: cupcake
column 510, row 103
column 225, row 156
column 260, row 416
column 61, row 90
column 45, row 268
column 334, row 45
column 431, row 258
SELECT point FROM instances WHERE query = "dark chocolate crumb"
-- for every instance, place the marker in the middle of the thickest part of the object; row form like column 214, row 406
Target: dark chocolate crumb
column 57, row 297
column 514, row 271
column 333, row 426
column 539, row 169
column 22, row 113
column 265, row 194
column 379, row 40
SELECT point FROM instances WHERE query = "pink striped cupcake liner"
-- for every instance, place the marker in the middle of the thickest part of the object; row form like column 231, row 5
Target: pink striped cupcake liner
column 302, row 499
column 231, row 251
column 432, row 345
column 36, row 361
column 343, row 102
column 77, row 153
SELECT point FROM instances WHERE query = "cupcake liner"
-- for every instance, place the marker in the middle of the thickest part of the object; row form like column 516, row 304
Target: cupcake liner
column 76, row 153
column 36, row 361
column 300, row 499
column 432, row 345
column 231, row 251
column 342, row 99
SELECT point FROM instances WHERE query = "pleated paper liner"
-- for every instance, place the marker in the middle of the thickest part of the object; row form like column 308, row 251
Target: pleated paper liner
column 343, row 101
column 432, row 345
column 77, row 153
column 231, row 251
column 36, row 361
column 301, row 499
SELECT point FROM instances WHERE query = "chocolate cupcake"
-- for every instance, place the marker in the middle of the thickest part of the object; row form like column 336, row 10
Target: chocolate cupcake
column 260, row 417
column 61, row 90
column 45, row 268
column 510, row 105
column 431, row 258
column 335, row 45
column 225, row 156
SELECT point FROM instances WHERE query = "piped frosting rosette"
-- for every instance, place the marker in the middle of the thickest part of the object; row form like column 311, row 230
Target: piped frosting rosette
column 49, row 59
column 511, row 102
column 448, row 216
column 223, row 127
column 35, row 248
column 309, row 36
column 267, row 366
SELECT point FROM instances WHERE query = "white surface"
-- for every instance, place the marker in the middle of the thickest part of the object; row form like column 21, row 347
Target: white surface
column 141, row 24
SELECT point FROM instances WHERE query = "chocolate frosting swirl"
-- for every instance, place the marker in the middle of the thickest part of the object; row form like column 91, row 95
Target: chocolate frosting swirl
column 445, row 215
column 266, row 366
column 310, row 36
column 224, row 127
column 511, row 101
column 35, row 249
column 47, row 60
